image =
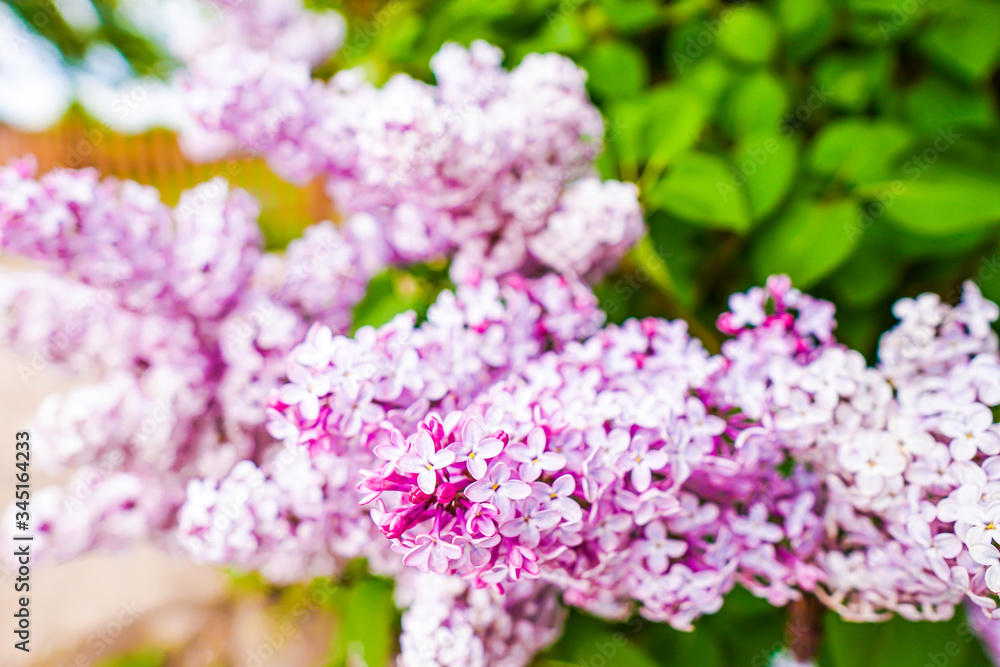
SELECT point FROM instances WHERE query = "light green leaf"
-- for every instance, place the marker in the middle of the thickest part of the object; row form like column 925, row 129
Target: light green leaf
column 365, row 624
column 710, row 78
column 757, row 103
column 952, row 205
column 148, row 657
column 807, row 26
column 852, row 80
column 747, row 34
column 807, row 242
column 616, row 69
column 562, row 33
column 389, row 293
column 626, row 132
column 632, row 15
column 768, row 162
column 676, row 117
column 700, row 189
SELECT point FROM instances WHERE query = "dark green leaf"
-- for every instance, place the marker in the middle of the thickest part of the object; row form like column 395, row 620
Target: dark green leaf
column 964, row 38
column 857, row 151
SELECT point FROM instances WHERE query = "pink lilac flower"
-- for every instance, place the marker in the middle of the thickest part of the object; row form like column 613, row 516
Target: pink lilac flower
column 448, row 622
column 902, row 475
column 575, row 518
column 490, row 167
column 182, row 319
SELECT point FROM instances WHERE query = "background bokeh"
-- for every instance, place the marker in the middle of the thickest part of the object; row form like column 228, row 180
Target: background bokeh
column 852, row 144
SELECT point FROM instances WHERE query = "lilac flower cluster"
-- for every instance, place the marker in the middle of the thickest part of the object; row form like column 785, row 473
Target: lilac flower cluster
column 575, row 471
column 899, row 461
column 509, row 452
column 180, row 320
column 489, row 166
column 448, row 622
column 633, row 467
column 290, row 515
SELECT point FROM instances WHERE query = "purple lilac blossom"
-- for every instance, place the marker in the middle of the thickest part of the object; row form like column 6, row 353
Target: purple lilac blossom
column 489, row 166
column 180, row 320
column 904, row 454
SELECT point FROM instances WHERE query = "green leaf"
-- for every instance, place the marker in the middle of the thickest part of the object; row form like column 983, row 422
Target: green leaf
column 676, row 119
column 700, row 188
column 366, row 619
column 147, row 657
column 869, row 275
column 899, row 642
column 807, row 242
column 562, row 33
column 747, row 34
column 626, row 132
column 389, row 293
column 873, row 6
column 613, row 649
column 857, row 151
column 768, row 162
column 935, row 103
column 644, row 254
column 616, row 69
column 953, row 205
column 757, row 103
column 709, row 78
column 965, row 38
column 632, row 15
column 808, row 26
column 852, row 80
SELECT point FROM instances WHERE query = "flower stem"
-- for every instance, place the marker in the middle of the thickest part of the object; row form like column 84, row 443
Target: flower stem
column 805, row 627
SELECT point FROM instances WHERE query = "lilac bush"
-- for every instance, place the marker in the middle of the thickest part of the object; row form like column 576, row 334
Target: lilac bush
column 508, row 454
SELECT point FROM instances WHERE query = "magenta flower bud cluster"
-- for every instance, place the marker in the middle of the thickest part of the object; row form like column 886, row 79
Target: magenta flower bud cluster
column 290, row 516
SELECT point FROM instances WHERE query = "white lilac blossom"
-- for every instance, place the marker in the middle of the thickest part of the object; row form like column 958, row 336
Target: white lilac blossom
column 180, row 322
column 489, row 166
column 448, row 622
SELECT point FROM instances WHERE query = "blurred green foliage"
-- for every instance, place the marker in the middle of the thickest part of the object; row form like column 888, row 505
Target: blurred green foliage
column 145, row 657
column 45, row 18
